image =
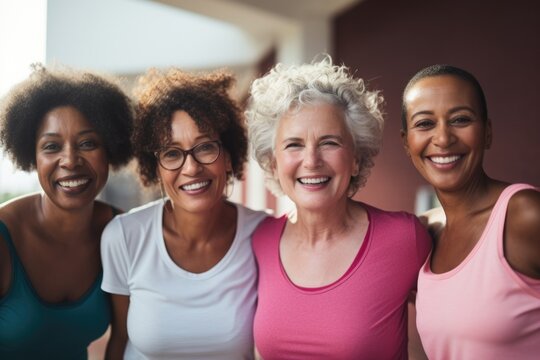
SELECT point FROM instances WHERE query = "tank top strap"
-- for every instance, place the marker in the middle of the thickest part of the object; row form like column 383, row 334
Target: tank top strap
column 499, row 211
column 19, row 284
column 4, row 231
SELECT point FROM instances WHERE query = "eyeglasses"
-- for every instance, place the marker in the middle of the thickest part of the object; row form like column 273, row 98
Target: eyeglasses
column 173, row 158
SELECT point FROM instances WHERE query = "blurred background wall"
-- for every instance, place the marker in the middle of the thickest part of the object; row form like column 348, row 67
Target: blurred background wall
column 387, row 41
column 382, row 41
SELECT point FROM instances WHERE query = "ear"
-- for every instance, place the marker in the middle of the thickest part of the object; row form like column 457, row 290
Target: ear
column 273, row 168
column 158, row 173
column 488, row 134
column 403, row 134
column 356, row 167
column 228, row 162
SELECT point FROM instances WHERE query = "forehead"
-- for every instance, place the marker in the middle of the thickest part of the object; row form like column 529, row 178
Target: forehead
column 62, row 119
column 319, row 119
column 184, row 129
column 441, row 90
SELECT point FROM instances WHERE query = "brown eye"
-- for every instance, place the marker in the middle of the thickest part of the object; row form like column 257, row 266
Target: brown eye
column 462, row 120
column 50, row 147
column 424, row 124
column 88, row 145
column 171, row 154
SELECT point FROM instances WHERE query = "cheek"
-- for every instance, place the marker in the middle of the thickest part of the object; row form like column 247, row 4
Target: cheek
column 414, row 143
column 166, row 178
column 341, row 161
column 43, row 167
column 477, row 140
column 101, row 164
column 284, row 164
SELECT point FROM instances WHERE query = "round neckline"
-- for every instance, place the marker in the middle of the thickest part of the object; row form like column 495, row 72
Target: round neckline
column 353, row 267
column 160, row 239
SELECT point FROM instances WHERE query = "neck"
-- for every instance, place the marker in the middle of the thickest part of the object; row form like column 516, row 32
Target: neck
column 476, row 197
column 64, row 223
column 326, row 225
column 199, row 227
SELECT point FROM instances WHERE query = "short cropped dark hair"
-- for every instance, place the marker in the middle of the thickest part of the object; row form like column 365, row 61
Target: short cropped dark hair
column 440, row 70
column 204, row 97
column 100, row 100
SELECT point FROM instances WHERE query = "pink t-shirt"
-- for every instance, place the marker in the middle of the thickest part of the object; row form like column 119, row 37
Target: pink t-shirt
column 360, row 316
column 482, row 309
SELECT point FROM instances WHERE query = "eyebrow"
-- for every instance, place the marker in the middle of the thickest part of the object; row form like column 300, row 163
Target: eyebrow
column 83, row 132
column 198, row 138
column 335, row 137
column 451, row 111
column 324, row 137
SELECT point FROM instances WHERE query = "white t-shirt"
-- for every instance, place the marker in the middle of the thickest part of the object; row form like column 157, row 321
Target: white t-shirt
column 175, row 314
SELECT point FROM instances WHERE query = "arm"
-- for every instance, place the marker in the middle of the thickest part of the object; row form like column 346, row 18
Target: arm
column 5, row 267
column 423, row 247
column 522, row 233
column 115, row 260
column 416, row 351
column 257, row 355
column 118, row 340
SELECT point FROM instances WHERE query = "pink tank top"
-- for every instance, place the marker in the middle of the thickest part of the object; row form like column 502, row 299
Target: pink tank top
column 482, row 309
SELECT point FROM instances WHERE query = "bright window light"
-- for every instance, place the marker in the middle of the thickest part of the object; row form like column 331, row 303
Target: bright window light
column 22, row 42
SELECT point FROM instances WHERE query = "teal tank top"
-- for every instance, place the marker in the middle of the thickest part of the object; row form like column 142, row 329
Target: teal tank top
column 31, row 328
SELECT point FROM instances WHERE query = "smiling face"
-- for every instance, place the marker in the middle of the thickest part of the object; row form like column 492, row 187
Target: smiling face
column 314, row 156
column 71, row 160
column 446, row 135
column 194, row 187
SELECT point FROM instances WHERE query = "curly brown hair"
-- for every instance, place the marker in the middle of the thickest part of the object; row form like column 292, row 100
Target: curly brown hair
column 204, row 97
column 100, row 100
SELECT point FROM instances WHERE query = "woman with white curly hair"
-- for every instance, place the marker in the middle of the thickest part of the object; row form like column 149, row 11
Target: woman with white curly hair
column 333, row 282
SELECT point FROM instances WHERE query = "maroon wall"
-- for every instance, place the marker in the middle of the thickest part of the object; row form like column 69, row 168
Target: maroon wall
column 387, row 41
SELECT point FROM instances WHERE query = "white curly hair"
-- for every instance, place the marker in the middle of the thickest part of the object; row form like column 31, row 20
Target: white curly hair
column 286, row 88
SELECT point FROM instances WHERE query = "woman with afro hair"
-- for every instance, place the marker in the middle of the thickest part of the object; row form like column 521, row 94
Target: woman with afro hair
column 183, row 265
column 69, row 127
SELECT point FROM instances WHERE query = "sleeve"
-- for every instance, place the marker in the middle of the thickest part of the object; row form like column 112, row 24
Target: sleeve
column 115, row 259
column 423, row 242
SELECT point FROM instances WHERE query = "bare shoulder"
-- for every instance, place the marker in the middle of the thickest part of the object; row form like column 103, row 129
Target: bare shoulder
column 522, row 232
column 104, row 213
column 11, row 213
column 524, row 207
column 434, row 220
column 523, row 214
column 17, row 208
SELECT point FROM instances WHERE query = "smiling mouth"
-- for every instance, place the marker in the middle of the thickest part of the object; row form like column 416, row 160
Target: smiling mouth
column 70, row 184
column 195, row 186
column 314, row 181
column 444, row 159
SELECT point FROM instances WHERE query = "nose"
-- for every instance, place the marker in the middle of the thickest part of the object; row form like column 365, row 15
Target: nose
column 443, row 136
column 70, row 158
column 191, row 166
column 312, row 157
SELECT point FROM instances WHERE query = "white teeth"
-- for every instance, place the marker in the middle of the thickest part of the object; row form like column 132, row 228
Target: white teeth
column 314, row 180
column 73, row 183
column 196, row 186
column 444, row 159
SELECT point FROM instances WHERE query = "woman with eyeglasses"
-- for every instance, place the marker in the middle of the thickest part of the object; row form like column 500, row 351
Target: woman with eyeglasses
column 181, row 270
